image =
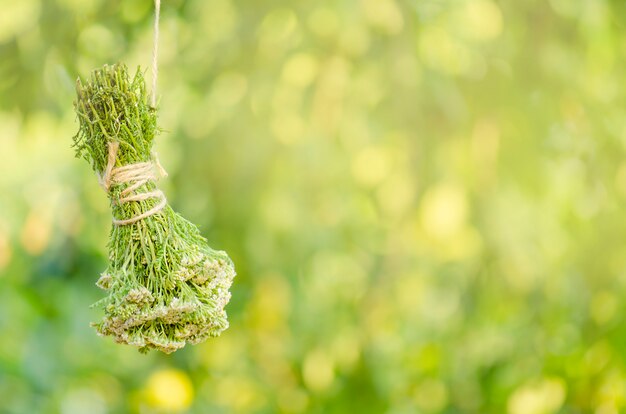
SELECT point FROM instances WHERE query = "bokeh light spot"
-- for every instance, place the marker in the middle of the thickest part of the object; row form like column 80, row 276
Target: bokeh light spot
column 300, row 70
column 98, row 41
column 481, row 19
column 323, row 21
column 6, row 252
column 371, row 165
column 444, row 211
column 170, row 389
column 442, row 52
column 318, row 371
column 271, row 303
column 18, row 17
column 276, row 29
column 603, row 307
column 543, row 397
column 385, row 15
column 36, row 232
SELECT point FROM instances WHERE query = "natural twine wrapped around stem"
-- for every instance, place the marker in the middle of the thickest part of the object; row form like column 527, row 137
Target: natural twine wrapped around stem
column 166, row 287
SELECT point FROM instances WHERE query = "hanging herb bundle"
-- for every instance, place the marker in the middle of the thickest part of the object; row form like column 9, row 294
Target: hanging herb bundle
column 166, row 287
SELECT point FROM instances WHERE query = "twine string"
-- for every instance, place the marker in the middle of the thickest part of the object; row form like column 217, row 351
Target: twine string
column 138, row 174
column 135, row 176
column 155, row 50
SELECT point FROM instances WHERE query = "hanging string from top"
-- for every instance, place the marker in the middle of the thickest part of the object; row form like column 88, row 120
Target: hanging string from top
column 155, row 50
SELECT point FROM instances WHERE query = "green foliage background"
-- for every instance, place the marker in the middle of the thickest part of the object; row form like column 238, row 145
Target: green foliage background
column 424, row 200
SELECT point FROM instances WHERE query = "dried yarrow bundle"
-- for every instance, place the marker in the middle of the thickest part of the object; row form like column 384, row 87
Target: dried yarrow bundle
column 166, row 287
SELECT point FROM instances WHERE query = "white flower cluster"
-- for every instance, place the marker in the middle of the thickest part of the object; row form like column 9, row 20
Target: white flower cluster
column 105, row 280
column 139, row 296
column 142, row 318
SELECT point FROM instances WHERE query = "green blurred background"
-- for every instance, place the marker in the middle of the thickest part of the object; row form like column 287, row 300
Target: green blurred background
column 423, row 199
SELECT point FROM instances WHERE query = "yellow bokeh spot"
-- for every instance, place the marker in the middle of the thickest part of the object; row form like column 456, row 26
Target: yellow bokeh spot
column 276, row 29
column 466, row 243
column 36, row 232
column 318, row 371
column 481, row 20
column 543, row 397
column 444, row 211
column 271, row 302
column 17, row 17
column 300, row 70
column 371, row 165
column 607, row 408
column 441, row 52
column 98, row 40
column 598, row 357
column 620, row 179
column 288, row 128
column 384, row 15
column 169, row 389
column 5, row 249
column 603, row 307
column 323, row 21
column 610, row 396
column 346, row 350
